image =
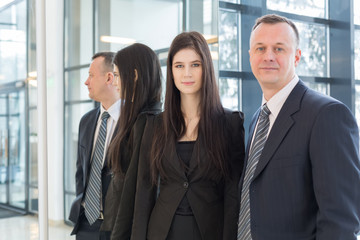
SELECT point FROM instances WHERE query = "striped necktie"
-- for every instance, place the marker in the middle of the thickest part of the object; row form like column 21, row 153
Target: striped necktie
column 244, row 228
column 93, row 190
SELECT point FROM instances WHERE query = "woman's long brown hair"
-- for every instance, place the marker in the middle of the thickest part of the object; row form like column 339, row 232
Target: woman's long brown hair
column 211, row 124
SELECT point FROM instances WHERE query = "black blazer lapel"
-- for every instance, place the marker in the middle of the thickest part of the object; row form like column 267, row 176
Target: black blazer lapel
column 173, row 159
column 199, row 144
column 281, row 126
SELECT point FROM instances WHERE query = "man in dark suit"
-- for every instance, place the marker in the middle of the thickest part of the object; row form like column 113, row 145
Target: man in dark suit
column 95, row 132
column 301, row 179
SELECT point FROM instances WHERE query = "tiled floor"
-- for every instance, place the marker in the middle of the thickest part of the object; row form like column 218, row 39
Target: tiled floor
column 27, row 228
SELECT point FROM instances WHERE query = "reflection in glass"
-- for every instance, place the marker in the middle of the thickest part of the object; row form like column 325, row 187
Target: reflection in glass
column 313, row 49
column 228, row 41
column 357, row 54
column 75, row 85
column 312, row 8
column 229, row 93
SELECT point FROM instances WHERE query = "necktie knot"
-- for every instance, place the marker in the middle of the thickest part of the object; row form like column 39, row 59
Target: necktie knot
column 265, row 111
column 105, row 115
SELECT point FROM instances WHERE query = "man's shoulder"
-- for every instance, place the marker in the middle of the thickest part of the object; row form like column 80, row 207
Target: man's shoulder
column 89, row 116
column 318, row 99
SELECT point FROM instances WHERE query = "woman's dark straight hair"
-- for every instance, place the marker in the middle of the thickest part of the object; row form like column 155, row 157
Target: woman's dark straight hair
column 210, row 126
column 136, row 94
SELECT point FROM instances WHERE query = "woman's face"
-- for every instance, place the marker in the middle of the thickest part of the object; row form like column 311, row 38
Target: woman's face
column 117, row 80
column 187, row 72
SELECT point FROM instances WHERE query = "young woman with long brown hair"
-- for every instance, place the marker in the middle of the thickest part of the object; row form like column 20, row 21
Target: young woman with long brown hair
column 191, row 156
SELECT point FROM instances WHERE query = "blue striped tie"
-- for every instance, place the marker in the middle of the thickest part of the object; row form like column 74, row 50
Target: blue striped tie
column 244, row 228
column 93, row 191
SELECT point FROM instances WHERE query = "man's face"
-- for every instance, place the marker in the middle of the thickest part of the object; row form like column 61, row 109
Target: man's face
column 273, row 55
column 96, row 82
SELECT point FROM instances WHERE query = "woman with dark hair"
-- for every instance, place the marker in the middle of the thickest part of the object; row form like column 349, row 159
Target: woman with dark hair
column 137, row 76
column 191, row 156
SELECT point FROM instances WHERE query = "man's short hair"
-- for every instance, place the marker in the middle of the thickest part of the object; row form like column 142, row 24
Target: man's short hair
column 108, row 59
column 273, row 19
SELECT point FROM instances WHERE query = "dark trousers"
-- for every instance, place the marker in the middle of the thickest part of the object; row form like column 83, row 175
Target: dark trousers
column 87, row 231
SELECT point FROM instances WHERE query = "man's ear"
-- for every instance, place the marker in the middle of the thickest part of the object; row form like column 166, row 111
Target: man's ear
column 110, row 78
column 297, row 57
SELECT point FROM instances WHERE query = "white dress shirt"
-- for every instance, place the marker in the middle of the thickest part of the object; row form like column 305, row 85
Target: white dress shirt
column 276, row 102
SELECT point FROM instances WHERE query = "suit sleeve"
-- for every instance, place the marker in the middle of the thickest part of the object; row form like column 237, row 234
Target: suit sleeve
column 145, row 191
column 237, row 154
column 124, row 217
column 79, row 174
column 334, row 154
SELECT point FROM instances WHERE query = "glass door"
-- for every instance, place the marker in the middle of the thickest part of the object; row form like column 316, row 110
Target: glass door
column 12, row 149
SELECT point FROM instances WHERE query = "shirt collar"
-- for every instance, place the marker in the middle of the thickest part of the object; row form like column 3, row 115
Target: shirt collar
column 277, row 101
column 114, row 110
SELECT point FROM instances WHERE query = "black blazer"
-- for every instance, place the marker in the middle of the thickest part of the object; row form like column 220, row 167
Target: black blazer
column 87, row 128
column 215, row 204
column 307, row 182
column 120, row 197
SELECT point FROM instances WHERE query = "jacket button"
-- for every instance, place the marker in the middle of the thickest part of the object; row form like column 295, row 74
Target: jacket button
column 186, row 185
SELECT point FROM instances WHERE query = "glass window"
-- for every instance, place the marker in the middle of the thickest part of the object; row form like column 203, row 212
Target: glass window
column 16, row 151
column 78, row 32
column 33, row 144
column 229, row 93
column 357, row 54
column 74, row 83
column 313, row 49
column 122, row 22
column 312, row 8
column 320, row 87
column 232, row 1
column 229, row 41
column 13, row 42
column 356, row 12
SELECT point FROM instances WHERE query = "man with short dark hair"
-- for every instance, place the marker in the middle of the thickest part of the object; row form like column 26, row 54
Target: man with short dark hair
column 95, row 132
column 302, row 172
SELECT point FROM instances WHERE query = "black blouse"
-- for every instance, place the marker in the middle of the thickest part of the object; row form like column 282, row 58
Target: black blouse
column 184, row 150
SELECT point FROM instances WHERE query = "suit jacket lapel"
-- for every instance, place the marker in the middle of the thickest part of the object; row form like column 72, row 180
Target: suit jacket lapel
column 90, row 129
column 173, row 159
column 196, row 155
column 281, row 126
